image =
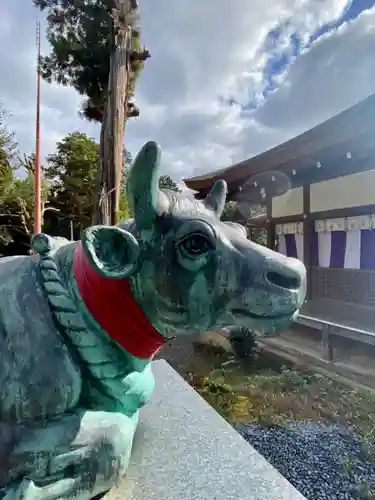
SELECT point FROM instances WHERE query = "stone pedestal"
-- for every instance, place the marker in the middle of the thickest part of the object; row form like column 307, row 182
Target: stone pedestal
column 185, row 451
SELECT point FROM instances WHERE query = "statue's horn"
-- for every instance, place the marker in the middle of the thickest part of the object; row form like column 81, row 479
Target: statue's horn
column 142, row 187
column 215, row 200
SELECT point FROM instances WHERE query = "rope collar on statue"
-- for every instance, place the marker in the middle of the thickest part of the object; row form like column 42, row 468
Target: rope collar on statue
column 111, row 304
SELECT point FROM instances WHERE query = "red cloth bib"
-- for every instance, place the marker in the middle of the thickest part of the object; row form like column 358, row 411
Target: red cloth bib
column 111, row 304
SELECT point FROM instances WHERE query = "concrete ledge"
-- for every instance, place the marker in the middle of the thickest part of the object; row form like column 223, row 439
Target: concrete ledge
column 185, row 451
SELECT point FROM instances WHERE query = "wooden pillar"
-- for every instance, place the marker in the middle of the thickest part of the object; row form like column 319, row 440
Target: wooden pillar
column 327, row 344
column 307, row 237
column 270, row 225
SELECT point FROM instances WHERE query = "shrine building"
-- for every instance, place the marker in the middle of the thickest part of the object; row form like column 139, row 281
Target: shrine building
column 319, row 192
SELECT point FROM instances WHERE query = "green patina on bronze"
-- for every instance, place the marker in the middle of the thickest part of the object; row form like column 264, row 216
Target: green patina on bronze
column 70, row 395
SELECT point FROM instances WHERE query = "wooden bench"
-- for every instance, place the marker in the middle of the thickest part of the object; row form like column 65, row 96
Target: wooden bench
column 330, row 329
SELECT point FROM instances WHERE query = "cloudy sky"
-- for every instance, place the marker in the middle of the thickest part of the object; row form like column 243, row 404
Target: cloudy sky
column 227, row 79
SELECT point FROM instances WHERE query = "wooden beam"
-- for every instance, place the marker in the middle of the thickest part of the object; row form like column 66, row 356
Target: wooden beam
column 343, row 212
column 350, row 129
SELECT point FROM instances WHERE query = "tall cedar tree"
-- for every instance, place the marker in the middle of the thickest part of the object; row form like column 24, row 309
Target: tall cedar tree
column 79, row 32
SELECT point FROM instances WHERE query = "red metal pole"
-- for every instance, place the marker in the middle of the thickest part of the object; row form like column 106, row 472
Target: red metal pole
column 38, row 174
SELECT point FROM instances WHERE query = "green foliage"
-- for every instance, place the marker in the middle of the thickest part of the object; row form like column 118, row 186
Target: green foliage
column 243, row 342
column 259, row 236
column 124, row 209
column 80, row 35
column 6, row 189
column 28, row 162
column 8, row 145
column 69, row 187
column 17, row 209
column 268, row 393
column 125, row 212
column 16, row 195
column 229, row 211
column 237, row 212
column 166, row 182
column 128, row 159
column 233, row 213
column 73, row 173
column 6, row 181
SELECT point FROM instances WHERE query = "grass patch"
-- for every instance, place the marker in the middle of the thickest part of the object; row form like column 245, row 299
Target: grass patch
column 270, row 394
column 267, row 392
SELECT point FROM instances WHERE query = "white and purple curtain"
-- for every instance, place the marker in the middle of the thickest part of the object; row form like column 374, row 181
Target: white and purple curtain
column 291, row 245
column 344, row 249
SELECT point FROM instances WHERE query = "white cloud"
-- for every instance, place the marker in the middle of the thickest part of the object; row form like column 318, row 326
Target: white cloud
column 218, row 50
column 337, row 71
column 59, row 110
column 205, row 54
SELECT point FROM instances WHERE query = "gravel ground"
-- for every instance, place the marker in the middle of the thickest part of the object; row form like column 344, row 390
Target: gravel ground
column 322, row 462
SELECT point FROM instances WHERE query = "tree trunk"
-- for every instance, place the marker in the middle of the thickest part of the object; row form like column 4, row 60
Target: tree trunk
column 113, row 126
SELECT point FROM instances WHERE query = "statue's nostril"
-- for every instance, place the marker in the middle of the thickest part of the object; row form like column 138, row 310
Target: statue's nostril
column 283, row 281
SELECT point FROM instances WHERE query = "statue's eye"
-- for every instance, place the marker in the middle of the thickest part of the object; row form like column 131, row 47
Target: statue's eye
column 195, row 245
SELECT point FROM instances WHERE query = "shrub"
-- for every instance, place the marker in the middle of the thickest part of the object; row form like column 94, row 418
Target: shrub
column 243, row 342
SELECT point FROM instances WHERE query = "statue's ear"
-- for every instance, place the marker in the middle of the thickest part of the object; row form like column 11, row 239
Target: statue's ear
column 112, row 251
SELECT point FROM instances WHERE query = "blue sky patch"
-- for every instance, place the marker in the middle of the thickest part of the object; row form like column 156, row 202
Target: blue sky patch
column 279, row 60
